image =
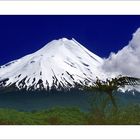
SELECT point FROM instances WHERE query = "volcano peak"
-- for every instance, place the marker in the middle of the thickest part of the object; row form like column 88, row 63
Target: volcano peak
column 60, row 63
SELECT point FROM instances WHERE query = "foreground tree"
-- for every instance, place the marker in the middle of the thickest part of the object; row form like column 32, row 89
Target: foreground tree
column 112, row 85
column 103, row 93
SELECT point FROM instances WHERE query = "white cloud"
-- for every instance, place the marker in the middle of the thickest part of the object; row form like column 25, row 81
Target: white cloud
column 127, row 60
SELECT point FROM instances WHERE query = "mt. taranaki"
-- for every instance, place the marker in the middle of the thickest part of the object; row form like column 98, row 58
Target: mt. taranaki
column 61, row 64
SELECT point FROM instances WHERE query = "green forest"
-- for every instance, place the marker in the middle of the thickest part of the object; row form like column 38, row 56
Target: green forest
column 104, row 109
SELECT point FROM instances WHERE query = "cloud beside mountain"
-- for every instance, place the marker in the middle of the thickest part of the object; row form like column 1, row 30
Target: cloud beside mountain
column 127, row 60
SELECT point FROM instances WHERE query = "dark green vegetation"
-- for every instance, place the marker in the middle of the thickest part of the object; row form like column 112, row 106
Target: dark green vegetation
column 99, row 104
column 71, row 116
column 52, row 116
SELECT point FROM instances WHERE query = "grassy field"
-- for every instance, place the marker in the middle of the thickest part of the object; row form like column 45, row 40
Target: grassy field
column 71, row 116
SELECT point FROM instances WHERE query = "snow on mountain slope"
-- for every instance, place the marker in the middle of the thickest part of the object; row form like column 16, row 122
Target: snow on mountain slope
column 60, row 63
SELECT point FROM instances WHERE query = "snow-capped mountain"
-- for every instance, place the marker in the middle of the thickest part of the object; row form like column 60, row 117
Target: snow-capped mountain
column 61, row 64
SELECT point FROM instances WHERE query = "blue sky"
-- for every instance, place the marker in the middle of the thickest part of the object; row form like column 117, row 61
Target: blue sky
column 21, row 35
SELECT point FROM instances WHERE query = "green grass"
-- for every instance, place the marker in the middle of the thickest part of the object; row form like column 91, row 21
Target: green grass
column 70, row 116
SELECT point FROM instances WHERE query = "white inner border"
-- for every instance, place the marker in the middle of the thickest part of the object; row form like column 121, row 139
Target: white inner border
column 70, row 8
